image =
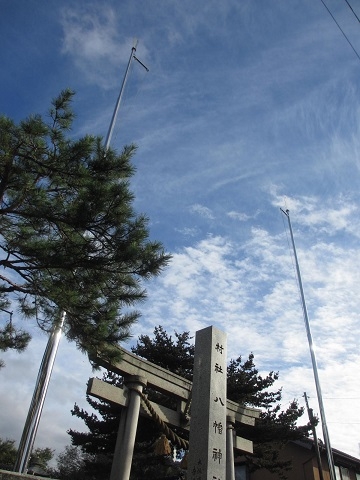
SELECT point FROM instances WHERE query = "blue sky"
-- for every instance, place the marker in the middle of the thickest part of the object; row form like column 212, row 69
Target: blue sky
column 248, row 107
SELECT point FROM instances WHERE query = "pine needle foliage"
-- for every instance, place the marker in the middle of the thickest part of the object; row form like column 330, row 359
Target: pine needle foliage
column 70, row 239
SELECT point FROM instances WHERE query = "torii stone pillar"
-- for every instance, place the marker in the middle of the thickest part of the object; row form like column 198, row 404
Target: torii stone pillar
column 125, row 441
column 230, row 433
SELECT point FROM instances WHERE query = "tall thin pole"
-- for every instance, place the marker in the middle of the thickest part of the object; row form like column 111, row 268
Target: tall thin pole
column 313, row 358
column 38, row 399
column 117, row 105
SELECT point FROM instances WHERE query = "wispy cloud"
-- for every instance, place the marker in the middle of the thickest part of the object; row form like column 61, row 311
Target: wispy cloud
column 188, row 231
column 242, row 217
column 202, row 211
column 329, row 215
column 91, row 38
column 250, row 291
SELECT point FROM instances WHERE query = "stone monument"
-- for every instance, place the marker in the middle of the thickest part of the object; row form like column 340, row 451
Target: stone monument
column 207, row 448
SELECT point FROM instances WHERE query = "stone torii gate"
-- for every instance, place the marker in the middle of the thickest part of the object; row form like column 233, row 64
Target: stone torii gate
column 210, row 360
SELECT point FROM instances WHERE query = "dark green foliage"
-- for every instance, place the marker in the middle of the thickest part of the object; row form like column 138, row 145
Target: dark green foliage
column 10, row 337
column 42, row 455
column 101, row 437
column 275, row 427
column 70, row 465
column 98, row 443
column 73, row 464
column 176, row 355
column 7, row 454
column 13, row 338
column 70, row 239
column 8, row 451
column 246, row 386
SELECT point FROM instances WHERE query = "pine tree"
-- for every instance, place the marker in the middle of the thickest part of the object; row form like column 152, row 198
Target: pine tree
column 176, row 355
column 274, row 428
column 70, row 238
column 101, row 435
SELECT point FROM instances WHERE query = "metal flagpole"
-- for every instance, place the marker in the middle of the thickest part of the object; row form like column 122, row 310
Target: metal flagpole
column 117, row 105
column 46, row 367
column 313, row 359
column 38, row 399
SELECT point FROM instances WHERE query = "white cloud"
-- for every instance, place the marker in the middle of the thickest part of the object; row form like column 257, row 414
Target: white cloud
column 202, row 211
column 328, row 215
column 250, row 292
column 242, row 217
column 92, row 40
column 188, row 231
